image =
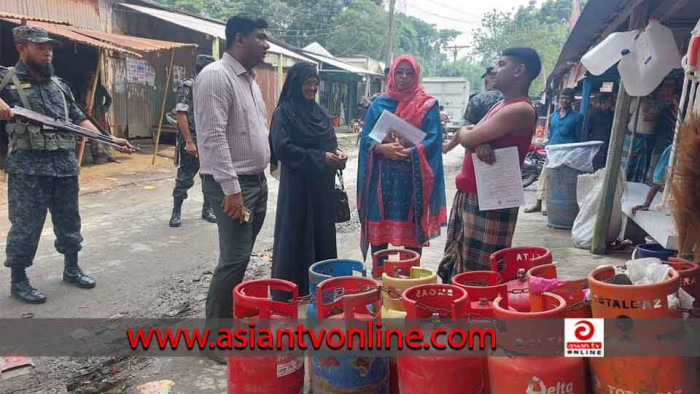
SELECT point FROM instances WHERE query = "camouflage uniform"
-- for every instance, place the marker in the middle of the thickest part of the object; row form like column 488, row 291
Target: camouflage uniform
column 189, row 164
column 480, row 105
column 41, row 180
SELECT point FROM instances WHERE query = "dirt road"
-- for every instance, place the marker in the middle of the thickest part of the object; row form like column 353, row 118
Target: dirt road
column 144, row 269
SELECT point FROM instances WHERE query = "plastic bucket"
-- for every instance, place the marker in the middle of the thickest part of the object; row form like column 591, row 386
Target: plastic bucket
column 654, row 250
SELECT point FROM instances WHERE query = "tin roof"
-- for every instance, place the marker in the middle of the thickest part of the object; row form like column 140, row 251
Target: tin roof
column 8, row 15
column 134, row 43
column 67, row 32
column 206, row 26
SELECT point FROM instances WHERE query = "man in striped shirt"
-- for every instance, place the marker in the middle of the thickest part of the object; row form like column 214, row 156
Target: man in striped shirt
column 234, row 151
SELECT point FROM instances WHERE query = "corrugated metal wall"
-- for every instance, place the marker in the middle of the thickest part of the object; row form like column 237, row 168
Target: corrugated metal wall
column 266, row 77
column 82, row 13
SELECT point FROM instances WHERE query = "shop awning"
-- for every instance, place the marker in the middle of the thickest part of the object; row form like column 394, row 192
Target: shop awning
column 340, row 65
column 139, row 44
column 67, row 32
column 206, row 26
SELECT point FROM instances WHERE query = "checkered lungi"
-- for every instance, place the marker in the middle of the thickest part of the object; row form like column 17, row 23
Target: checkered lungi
column 472, row 235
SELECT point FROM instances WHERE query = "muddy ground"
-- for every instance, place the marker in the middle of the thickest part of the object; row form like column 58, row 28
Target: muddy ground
column 146, row 269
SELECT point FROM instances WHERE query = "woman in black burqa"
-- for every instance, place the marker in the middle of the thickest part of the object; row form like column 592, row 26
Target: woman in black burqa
column 305, row 150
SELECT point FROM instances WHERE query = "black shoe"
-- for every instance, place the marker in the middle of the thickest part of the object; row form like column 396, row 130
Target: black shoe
column 26, row 293
column 208, row 215
column 176, row 217
column 76, row 276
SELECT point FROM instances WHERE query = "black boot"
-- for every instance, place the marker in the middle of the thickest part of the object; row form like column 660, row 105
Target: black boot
column 74, row 275
column 208, row 213
column 24, row 292
column 176, row 217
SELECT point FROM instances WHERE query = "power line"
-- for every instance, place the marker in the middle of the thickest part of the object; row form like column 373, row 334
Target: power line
column 450, row 9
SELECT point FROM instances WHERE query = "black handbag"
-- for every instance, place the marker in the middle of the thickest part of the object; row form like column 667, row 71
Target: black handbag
column 342, row 205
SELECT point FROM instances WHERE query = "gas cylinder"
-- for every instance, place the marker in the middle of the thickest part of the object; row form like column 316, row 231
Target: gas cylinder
column 638, row 374
column 534, row 374
column 512, row 265
column 482, row 289
column 323, row 270
column 356, row 299
column 572, row 291
column 393, row 259
column 435, row 374
column 392, row 306
column 689, row 273
column 280, row 374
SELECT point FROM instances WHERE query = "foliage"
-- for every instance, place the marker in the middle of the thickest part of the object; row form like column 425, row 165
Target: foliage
column 543, row 28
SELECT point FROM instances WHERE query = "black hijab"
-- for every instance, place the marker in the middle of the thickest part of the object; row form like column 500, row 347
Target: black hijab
column 308, row 123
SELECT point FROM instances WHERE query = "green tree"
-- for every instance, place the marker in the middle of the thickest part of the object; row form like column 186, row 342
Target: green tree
column 543, row 28
column 360, row 29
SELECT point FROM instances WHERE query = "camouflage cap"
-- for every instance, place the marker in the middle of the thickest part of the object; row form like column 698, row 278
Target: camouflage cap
column 489, row 71
column 204, row 60
column 32, row 34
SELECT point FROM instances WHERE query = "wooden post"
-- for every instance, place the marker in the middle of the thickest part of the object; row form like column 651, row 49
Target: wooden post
column 617, row 139
column 162, row 108
column 635, row 124
column 91, row 104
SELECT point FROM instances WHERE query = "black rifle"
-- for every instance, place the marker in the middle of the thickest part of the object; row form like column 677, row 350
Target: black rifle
column 25, row 116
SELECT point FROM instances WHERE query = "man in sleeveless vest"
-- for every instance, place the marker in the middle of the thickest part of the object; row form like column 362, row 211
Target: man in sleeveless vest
column 41, row 163
column 473, row 235
column 187, row 148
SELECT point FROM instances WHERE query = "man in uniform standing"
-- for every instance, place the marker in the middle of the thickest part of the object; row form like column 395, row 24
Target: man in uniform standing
column 478, row 106
column 187, row 143
column 41, row 163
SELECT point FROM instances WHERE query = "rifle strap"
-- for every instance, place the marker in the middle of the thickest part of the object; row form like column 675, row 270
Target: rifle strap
column 63, row 96
column 20, row 90
column 8, row 77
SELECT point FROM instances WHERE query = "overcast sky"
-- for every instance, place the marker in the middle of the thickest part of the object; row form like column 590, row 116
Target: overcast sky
column 462, row 15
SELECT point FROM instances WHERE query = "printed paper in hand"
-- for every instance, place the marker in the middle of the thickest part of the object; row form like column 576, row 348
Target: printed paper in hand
column 388, row 122
column 500, row 184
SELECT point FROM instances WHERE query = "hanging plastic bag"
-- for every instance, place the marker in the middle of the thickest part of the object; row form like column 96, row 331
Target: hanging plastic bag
column 589, row 194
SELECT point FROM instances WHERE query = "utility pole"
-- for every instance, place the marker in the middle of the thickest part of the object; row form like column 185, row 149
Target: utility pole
column 455, row 50
column 390, row 40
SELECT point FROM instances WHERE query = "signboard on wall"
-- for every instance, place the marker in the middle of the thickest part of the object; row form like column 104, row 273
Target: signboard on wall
column 140, row 72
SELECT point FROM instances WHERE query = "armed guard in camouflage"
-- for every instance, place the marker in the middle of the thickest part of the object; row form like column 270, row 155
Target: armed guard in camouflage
column 41, row 163
column 187, row 148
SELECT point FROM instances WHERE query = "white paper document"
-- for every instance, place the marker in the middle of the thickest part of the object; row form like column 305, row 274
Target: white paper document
column 500, row 184
column 389, row 122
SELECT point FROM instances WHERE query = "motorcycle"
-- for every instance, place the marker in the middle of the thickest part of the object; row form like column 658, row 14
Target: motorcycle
column 534, row 162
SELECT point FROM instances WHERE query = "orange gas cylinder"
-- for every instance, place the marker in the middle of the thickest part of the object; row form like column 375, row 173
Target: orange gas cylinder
column 279, row 374
column 482, row 289
column 391, row 260
column 689, row 273
column 355, row 299
column 443, row 375
column 638, row 374
column 512, row 265
column 543, row 278
column 535, row 374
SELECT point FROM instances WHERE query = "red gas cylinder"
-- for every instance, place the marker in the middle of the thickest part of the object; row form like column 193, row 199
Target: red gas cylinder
column 689, row 273
column 393, row 262
column 512, row 265
column 357, row 300
column 535, row 374
column 447, row 375
column 283, row 374
column 543, row 278
column 482, row 289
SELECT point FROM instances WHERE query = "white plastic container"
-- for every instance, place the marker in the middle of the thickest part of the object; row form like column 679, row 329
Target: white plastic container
column 652, row 56
column 608, row 52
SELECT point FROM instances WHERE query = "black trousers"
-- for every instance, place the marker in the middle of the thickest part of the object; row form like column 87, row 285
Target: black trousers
column 236, row 240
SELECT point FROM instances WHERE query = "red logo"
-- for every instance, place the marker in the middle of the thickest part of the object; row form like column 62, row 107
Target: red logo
column 584, row 330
